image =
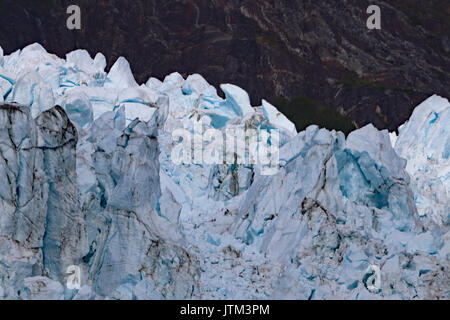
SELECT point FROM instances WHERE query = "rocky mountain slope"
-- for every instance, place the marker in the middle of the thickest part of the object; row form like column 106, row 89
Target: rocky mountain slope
column 318, row 54
column 92, row 176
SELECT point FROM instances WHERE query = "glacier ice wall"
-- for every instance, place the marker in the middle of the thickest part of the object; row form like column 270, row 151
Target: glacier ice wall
column 87, row 179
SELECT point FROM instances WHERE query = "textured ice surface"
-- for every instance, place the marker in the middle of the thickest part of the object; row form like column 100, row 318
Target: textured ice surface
column 78, row 107
column 91, row 183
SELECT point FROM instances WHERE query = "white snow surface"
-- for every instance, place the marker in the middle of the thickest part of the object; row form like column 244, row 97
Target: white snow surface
column 92, row 184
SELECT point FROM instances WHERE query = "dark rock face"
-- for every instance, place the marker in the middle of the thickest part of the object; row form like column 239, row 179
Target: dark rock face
column 274, row 49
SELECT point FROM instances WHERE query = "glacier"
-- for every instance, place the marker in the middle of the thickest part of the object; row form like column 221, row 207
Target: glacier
column 88, row 179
